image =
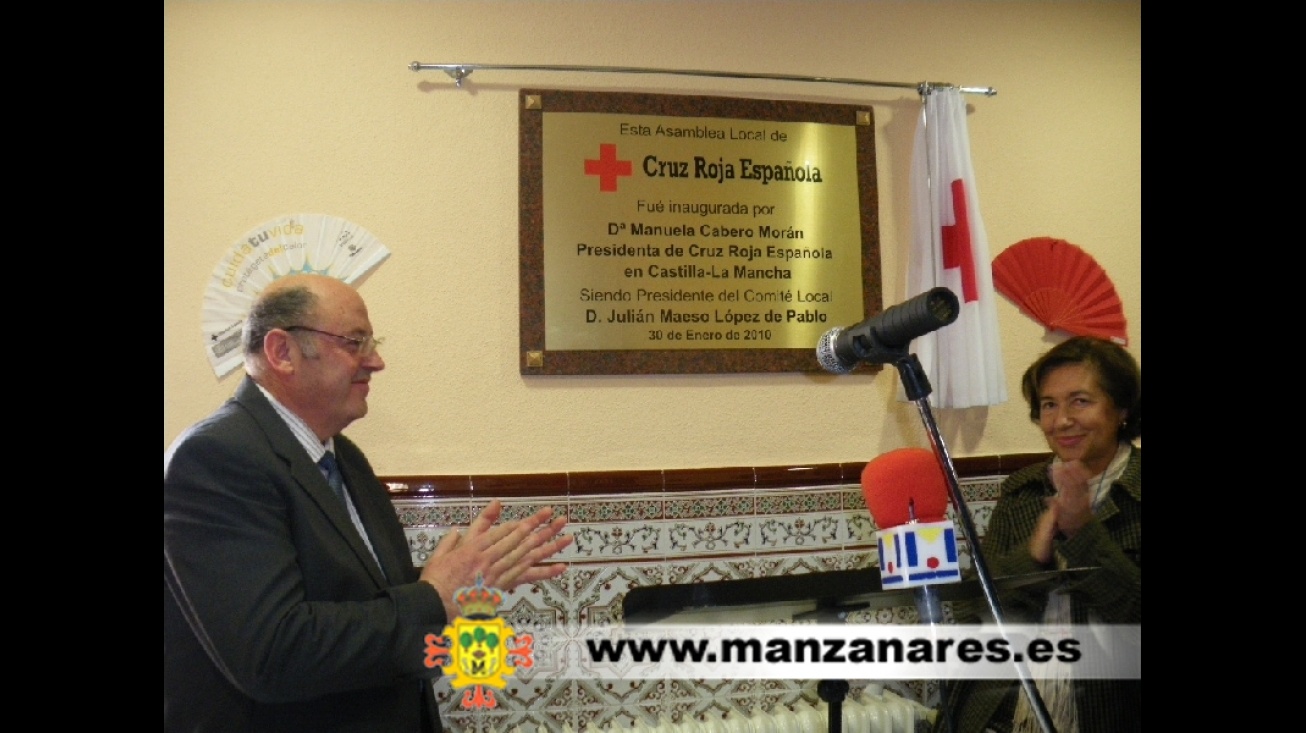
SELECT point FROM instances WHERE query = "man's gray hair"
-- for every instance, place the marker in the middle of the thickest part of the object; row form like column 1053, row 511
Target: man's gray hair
column 281, row 308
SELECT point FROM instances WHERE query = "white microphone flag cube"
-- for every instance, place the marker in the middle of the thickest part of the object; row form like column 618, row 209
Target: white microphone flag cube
column 918, row 553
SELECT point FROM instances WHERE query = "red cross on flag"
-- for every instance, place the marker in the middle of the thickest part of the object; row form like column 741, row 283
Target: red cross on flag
column 963, row 360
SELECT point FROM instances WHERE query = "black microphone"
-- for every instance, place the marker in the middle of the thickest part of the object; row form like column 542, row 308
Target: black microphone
column 883, row 338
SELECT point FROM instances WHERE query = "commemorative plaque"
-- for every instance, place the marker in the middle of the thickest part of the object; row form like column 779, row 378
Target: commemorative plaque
column 663, row 234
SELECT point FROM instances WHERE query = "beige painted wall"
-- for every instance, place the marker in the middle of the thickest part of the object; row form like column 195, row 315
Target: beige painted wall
column 274, row 108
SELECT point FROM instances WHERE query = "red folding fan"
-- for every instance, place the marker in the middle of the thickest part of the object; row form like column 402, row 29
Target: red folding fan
column 1062, row 287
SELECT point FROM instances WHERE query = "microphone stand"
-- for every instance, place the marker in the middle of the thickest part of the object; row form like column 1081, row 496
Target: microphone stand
column 917, row 387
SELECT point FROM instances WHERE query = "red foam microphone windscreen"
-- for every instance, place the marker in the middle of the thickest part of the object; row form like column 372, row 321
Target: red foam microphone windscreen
column 903, row 478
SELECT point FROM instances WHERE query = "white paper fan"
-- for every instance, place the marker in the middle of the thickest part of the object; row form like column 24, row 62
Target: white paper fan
column 293, row 244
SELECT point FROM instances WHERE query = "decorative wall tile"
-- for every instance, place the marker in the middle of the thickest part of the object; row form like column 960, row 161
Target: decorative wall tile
column 615, row 509
column 421, row 542
column 721, row 535
column 432, row 513
column 695, row 506
column 860, row 528
column 637, row 529
column 799, row 531
column 790, row 501
column 636, row 540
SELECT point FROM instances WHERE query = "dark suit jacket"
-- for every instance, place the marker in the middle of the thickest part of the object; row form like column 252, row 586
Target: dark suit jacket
column 275, row 615
column 1112, row 546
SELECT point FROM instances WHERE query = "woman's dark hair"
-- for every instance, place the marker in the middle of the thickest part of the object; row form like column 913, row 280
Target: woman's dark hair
column 1118, row 374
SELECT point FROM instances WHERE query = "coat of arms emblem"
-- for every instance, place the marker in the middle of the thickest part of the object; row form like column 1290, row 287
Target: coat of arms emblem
column 479, row 649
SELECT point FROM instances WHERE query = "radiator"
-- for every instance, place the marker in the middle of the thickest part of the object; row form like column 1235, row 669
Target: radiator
column 870, row 712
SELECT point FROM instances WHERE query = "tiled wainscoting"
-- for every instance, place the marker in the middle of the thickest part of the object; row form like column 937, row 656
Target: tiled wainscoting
column 649, row 528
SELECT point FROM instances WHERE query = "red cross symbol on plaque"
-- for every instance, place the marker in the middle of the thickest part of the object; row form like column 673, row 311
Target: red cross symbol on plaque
column 607, row 167
column 957, row 249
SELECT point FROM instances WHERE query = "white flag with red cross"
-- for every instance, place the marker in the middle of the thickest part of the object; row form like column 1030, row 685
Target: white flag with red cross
column 963, row 361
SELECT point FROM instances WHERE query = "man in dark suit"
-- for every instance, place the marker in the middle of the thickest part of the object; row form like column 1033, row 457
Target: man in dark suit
column 290, row 601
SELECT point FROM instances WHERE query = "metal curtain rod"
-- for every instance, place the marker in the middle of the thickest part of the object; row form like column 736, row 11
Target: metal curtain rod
column 458, row 72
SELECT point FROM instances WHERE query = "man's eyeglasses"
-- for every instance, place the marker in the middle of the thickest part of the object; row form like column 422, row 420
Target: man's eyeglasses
column 363, row 347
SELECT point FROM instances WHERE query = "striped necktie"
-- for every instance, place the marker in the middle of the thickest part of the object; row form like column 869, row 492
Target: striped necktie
column 331, row 470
